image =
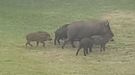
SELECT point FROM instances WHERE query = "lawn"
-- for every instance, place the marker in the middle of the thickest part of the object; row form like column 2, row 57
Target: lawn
column 20, row 17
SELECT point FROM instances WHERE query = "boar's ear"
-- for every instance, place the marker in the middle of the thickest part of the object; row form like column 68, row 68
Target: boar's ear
column 66, row 25
column 107, row 24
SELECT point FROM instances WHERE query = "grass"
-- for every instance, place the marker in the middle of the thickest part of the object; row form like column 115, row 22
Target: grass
column 19, row 17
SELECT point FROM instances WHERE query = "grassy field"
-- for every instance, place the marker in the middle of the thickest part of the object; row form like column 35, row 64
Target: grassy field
column 19, row 17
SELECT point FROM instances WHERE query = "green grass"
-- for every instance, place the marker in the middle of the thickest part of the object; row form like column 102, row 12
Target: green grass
column 19, row 17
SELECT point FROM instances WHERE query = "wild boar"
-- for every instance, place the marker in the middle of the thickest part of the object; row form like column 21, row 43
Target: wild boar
column 60, row 34
column 81, row 29
column 85, row 43
column 101, row 40
column 39, row 36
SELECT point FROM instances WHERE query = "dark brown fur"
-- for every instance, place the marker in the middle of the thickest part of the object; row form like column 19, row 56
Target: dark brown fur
column 81, row 29
column 60, row 34
column 39, row 36
column 101, row 40
column 85, row 43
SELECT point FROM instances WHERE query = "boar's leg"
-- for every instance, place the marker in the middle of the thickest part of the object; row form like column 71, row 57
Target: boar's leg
column 78, row 50
column 58, row 40
column 37, row 43
column 103, row 46
column 65, row 42
column 85, row 50
column 90, row 48
column 43, row 43
column 72, row 43
column 55, row 40
column 28, row 43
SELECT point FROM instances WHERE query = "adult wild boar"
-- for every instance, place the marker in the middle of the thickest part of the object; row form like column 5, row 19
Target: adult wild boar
column 81, row 29
column 39, row 36
column 60, row 34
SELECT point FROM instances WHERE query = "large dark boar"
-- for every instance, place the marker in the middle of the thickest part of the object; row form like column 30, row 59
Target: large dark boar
column 81, row 29
column 39, row 36
column 60, row 34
